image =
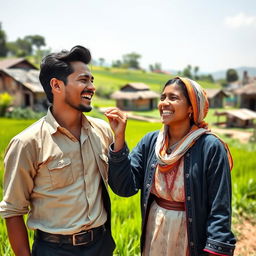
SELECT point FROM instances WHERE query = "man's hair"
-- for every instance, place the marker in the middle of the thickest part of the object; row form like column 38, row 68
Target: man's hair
column 57, row 65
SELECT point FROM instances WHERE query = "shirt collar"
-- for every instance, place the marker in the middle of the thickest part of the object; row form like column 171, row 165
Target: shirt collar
column 53, row 124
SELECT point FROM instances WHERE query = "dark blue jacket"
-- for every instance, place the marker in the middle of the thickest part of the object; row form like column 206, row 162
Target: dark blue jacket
column 207, row 188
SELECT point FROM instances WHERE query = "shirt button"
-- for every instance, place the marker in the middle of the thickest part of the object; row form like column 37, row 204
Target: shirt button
column 145, row 205
column 189, row 198
column 187, row 175
column 153, row 165
column 191, row 244
column 148, row 185
column 190, row 220
column 188, row 154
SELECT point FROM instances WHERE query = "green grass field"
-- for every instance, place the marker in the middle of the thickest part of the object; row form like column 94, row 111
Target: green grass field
column 125, row 211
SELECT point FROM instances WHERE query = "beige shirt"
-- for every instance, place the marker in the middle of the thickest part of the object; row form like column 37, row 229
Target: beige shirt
column 55, row 178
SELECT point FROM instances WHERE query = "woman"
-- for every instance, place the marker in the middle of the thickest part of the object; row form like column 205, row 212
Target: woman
column 183, row 172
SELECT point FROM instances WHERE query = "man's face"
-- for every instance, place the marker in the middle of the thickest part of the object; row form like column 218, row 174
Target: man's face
column 79, row 88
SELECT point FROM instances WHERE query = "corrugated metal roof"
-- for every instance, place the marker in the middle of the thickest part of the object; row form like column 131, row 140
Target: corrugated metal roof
column 211, row 93
column 9, row 63
column 137, row 86
column 248, row 89
column 29, row 78
column 242, row 113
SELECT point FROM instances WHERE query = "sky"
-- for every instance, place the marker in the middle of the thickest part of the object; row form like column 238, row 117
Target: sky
column 211, row 34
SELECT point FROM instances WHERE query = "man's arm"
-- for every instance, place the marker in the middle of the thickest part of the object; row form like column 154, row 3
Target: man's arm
column 18, row 235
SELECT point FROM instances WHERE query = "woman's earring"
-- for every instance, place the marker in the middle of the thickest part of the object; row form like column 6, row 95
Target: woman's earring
column 190, row 115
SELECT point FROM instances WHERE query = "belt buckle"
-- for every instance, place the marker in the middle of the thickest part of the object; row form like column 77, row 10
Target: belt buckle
column 75, row 243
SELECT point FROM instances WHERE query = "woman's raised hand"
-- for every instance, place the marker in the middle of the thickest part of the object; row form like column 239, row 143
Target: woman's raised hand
column 117, row 121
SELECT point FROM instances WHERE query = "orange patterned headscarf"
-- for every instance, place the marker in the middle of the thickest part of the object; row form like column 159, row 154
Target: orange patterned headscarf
column 199, row 101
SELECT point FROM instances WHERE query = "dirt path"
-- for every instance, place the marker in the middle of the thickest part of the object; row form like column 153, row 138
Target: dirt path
column 242, row 136
column 246, row 238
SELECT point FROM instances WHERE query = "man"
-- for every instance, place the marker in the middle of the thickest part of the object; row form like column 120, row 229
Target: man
column 56, row 169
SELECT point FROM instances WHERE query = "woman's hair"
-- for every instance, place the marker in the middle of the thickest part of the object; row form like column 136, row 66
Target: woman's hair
column 57, row 65
column 181, row 85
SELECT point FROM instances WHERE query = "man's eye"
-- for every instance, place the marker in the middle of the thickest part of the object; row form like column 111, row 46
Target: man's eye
column 162, row 97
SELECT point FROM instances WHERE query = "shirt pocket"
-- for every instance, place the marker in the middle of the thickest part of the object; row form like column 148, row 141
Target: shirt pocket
column 60, row 172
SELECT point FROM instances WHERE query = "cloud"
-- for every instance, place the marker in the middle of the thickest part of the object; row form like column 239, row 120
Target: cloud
column 241, row 20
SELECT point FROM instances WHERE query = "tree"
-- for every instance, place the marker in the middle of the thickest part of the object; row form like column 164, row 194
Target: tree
column 102, row 61
column 231, row 75
column 208, row 78
column 24, row 46
column 117, row 63
column 196, row 69
column 131, row 60
column 3, row 47
column 155, row 67
column 187, row 72
column 36, row 40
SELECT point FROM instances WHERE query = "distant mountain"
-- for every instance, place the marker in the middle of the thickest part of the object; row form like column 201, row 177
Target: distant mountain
column 240, row 70
column 221, row 74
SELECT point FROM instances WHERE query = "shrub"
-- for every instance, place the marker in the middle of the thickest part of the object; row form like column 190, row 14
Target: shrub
column 5, row 102
column 24, row 113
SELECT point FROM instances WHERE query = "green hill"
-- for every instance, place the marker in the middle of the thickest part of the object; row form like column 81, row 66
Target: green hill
column 111, row 79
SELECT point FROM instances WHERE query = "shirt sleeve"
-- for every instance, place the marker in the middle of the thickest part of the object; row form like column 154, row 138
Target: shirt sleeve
column 215, row 253
column 19, row 163
column 220, row 239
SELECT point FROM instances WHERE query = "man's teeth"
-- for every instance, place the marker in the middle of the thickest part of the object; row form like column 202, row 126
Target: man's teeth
column 167, row 112
column 87, row 96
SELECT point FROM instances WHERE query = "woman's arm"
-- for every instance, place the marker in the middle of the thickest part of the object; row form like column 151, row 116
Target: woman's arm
column 220, row 239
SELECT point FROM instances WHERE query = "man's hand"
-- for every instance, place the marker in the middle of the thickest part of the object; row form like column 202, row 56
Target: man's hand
column 117, row 120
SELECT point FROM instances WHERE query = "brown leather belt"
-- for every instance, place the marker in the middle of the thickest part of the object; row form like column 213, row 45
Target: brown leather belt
column 170, row 205
column 81, row 238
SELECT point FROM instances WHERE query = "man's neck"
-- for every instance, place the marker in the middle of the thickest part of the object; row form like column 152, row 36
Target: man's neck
column 70, row 119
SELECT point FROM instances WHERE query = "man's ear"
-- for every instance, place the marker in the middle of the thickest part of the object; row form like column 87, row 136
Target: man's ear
column 56, row 85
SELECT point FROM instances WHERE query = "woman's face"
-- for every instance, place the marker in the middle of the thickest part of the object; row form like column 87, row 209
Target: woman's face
column 173, row 106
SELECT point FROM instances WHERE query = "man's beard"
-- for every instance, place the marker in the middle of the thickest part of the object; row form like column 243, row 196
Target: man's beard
column 83, row 108
column 80, row 107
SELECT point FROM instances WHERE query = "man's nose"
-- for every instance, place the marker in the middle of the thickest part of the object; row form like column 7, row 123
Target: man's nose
column 91, row 86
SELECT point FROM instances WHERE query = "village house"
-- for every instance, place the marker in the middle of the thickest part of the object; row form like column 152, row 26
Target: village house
column 20, row 79
column 216, row 97
column 242, row 117
column 246, row 96
column 135, row 96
